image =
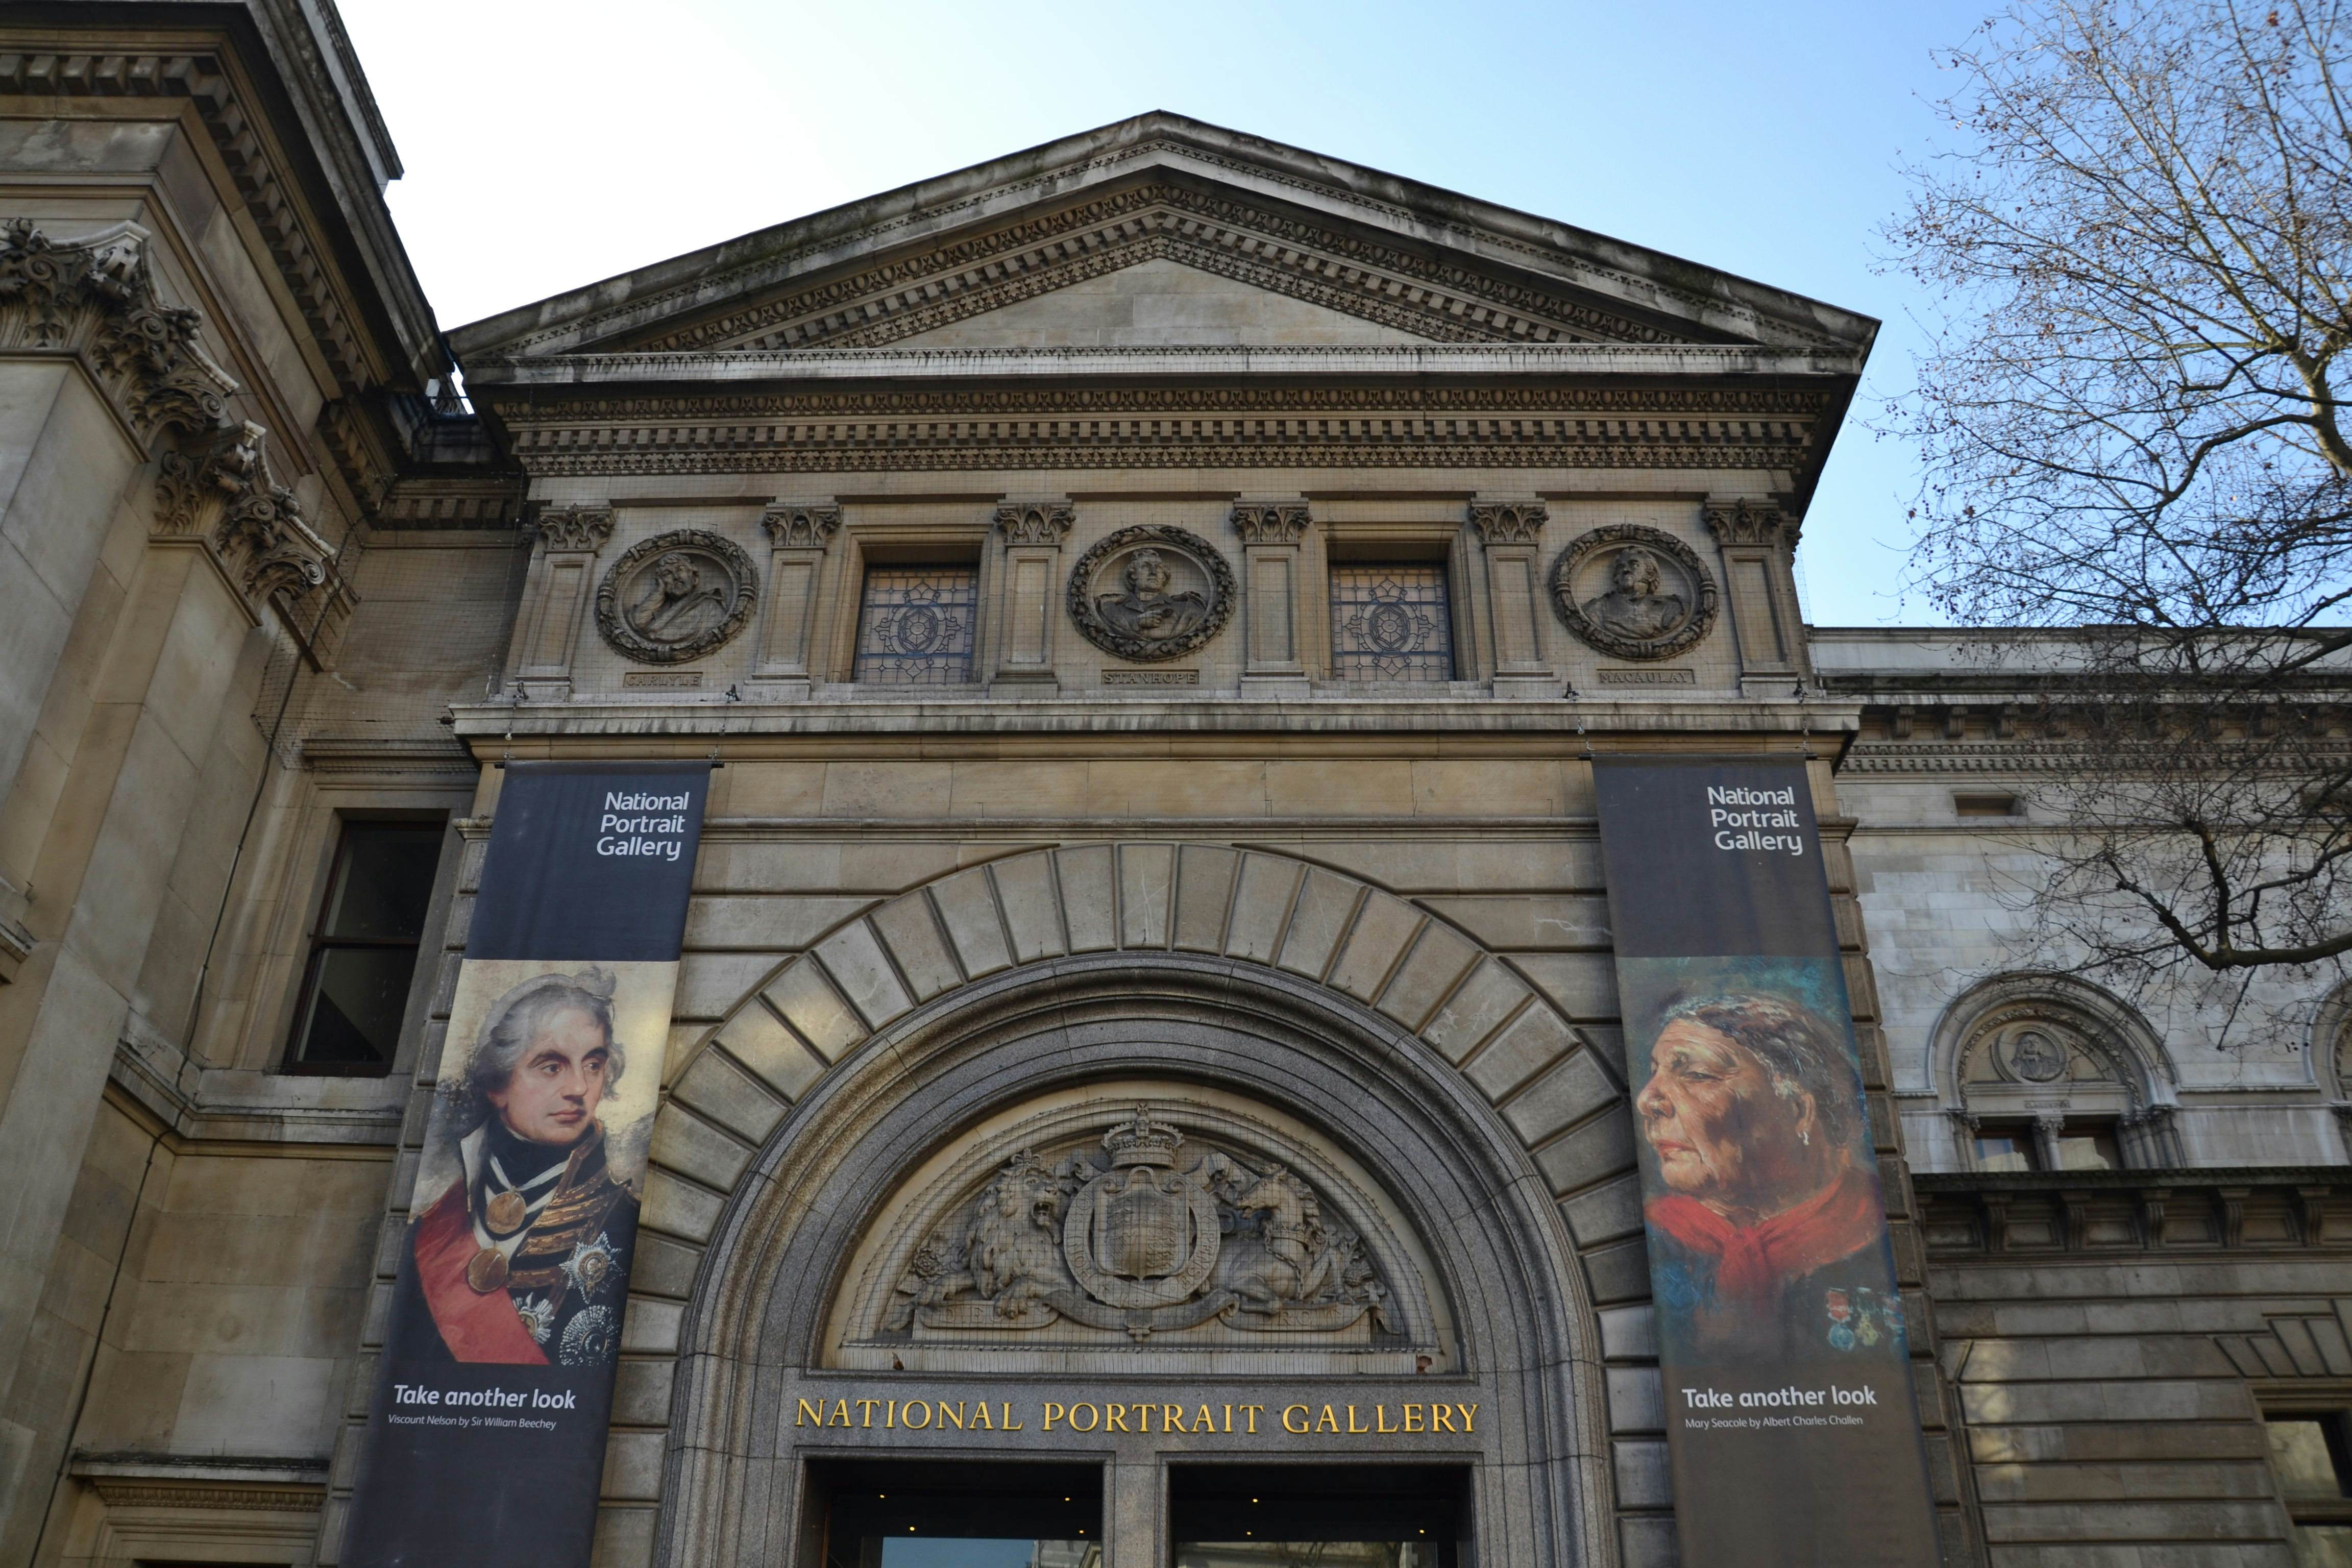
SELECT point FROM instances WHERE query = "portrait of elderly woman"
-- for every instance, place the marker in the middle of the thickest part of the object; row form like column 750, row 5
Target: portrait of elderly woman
column 524, row 1258
column 1766, row 1229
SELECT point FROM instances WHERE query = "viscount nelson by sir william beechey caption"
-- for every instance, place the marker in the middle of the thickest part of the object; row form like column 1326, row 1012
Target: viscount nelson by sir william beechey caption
column 523, row 1259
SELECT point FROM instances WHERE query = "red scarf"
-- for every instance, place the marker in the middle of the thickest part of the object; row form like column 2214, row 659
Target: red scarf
column 1752, row 1261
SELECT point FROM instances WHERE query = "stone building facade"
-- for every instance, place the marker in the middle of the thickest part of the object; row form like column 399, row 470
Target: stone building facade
column 1153, row 601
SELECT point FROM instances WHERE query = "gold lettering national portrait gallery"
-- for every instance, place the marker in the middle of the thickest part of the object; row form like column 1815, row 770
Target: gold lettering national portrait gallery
column 1192, row 1418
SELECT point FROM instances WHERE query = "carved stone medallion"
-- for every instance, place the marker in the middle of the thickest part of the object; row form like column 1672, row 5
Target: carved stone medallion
column 1150, row 592
column 676, row 596
column 1142, row 1240
column 1634, row 592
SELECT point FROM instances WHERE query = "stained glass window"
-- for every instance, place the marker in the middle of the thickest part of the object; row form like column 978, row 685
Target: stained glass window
column 915, row 626
column 1390, row 621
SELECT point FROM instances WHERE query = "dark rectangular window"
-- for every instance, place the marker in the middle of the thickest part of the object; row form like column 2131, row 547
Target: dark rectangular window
column 960, row 1514
column 1986, row 805
column 916, row 624
column 364, row 948
column 1378, row 1516
column 2311, row 1453
column 1390, row 621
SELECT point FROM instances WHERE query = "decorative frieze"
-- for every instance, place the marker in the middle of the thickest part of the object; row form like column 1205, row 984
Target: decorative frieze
column 1278, row 425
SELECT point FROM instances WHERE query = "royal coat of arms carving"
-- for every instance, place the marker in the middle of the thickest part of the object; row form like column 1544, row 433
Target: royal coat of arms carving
column 1142, row 1240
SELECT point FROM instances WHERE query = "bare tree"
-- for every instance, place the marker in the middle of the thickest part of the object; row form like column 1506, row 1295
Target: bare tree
column 2142, row 255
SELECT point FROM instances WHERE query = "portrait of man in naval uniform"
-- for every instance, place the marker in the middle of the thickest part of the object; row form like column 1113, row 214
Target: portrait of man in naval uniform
column 524, row 1257
column 1767, row 1240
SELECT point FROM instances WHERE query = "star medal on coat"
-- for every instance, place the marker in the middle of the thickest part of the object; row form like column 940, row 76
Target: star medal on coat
column 590, row 1264
column 486, row 1271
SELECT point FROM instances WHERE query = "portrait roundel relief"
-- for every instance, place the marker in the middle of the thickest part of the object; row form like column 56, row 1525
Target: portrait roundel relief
column 1634, row 592
column 676, row 596
column 1150, row 592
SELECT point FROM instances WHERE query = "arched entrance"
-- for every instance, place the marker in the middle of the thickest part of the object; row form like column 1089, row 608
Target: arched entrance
column 1426, row 1099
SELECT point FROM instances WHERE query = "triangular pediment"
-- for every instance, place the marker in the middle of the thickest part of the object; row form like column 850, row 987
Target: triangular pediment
column 1161, row 232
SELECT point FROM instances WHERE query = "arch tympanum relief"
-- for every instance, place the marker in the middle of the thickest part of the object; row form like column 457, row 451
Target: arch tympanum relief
column 1160, row 1218
column 1443, row 1160
column 2029, row 1047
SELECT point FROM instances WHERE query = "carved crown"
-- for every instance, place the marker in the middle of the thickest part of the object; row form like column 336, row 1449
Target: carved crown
column 1142, row 1141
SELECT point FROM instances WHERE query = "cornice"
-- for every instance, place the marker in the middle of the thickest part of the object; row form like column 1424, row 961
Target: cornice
column 1711, row 426
column 271, row 194
column 1444, row 301
column 1617, row 361
column 1163, row 148
column 1158, row 724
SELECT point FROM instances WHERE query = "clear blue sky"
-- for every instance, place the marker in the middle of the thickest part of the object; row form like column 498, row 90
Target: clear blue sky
column 551, row 144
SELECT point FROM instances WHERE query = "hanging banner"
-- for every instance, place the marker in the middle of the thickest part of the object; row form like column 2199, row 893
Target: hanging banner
column 485, row 1442
column 1791, row 1420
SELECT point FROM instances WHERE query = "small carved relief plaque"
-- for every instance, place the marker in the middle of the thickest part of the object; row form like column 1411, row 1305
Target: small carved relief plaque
column 1150, row 592
column 1671, row 676
column 676, row 596
column 1633, row 591
column 1146, row 1236
column 1152, row 678
column 661, row 680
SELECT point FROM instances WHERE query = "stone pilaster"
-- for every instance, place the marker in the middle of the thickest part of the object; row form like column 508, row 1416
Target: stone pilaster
column 1509, row 534
column 1758, row 540
column 1032, row 534
column 555, row 603
column 798, row 536
column 1271, row 533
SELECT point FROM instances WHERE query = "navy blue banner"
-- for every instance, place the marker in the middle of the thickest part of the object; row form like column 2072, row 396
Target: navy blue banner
column 1791, row 1420
column 485, row 1442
